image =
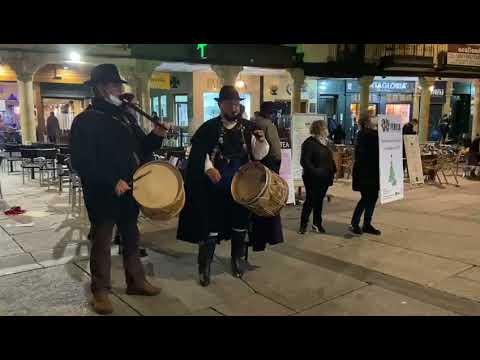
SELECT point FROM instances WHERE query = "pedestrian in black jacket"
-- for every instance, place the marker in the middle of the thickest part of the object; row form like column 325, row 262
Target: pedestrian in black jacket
column 318, row 172
column 107, row 146
column 366, row 176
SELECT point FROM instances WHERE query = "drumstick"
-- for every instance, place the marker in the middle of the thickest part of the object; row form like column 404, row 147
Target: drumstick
column 140, row 177
column 143, row 175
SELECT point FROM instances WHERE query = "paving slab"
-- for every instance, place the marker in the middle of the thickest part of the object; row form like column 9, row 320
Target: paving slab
column 206, row 312
column 290, row 282
column 15, row 263
column 405, row 264
column 58, row 237
column 471, row 274
column 7, row 245
column 253, row 305
column 461, row 287
column 423, row 222
column 451, row 246
column 64, row 255
column 375, row 301
column 181, row 293
column 61, row 290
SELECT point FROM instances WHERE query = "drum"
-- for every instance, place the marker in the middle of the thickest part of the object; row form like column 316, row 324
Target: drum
column 158, row 189
column 260, row 190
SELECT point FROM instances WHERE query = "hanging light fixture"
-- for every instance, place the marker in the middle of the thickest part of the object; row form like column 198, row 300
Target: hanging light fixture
column 240, row 84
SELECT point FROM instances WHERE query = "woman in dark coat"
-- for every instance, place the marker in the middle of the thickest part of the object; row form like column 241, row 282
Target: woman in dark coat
column 318, row 172
column 366, row 177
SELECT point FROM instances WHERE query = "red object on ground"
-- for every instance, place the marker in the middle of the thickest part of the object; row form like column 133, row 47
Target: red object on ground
column 16, row 210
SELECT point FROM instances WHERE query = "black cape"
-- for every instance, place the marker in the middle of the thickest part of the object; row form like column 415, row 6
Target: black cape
column 193, row 219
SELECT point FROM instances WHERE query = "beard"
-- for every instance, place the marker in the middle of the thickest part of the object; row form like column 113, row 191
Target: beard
column 231, row 117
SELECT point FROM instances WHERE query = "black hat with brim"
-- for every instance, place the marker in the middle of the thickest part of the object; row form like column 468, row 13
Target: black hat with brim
column 228, row 92
column 103, row 74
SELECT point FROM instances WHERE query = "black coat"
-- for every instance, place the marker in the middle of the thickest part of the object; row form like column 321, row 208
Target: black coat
column 366, row 168
column 317, row 162
column 108, row 145
column 474, row 152
column 193, row 220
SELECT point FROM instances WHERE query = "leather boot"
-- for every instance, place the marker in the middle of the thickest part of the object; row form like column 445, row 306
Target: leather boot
column 143, row 289
column 137, row 283
column 237, row 252
column 101, row 303
column 206, row 250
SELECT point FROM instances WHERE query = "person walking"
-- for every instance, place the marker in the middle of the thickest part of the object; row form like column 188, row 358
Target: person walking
column 366, row 176
column 318, row 172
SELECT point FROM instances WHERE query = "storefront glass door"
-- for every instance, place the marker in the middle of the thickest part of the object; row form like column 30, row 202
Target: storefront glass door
column 400, row 110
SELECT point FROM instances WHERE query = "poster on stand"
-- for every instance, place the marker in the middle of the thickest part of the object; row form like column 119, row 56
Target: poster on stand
column 414, row 159
column 390, row 141
column 286, row 168
column 300, row 130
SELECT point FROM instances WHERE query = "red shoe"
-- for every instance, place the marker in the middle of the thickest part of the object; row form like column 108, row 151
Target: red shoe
column 16, row 210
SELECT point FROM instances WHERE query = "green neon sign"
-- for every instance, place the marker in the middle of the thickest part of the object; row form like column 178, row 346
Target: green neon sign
column 202, row 48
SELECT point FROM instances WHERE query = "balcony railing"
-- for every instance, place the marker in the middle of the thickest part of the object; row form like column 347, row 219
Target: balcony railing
column 375, row 52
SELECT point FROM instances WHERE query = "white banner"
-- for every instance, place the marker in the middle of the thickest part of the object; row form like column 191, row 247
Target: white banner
column 414, row 159
column 286, row 174
column 300, row 130
column 390, row 141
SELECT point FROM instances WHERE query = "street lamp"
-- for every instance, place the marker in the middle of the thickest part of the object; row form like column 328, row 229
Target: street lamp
column 74, row 56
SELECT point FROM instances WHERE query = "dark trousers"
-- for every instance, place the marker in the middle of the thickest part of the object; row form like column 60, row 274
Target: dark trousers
column 100, row 259
column 314, row 200
column 366, row 204
column 52, row 139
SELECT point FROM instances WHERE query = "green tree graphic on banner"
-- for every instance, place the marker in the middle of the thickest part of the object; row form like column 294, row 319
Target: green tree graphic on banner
column 392, row 178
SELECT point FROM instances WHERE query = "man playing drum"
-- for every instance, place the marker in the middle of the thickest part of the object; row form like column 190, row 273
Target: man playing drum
column 219, row 148
column 107, row 146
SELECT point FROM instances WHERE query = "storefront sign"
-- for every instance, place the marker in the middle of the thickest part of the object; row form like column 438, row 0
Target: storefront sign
column 300, row 132
column 463, row 54
column 391, row 160
column 414, row 160
column 384, row 86
column 439, row 91
column 202, row 48
column 286, row 168
column 160, row 81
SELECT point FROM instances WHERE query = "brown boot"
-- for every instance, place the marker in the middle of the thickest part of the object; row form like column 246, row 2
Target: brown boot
column 101, row 303
column 145, row 289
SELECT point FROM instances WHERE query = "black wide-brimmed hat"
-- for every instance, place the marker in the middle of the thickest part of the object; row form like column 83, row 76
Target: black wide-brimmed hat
column 228, row 92
column 104, row 73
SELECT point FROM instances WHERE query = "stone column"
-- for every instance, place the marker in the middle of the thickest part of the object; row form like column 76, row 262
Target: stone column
column 423, row 121
column 40, row 112
column 138, row 74
column 416, row 103
column 25, row 97
column 476, row 110
column 364, row 82
column 227, row 74
column 25, row 65
column 447, row 107
column 298, row 77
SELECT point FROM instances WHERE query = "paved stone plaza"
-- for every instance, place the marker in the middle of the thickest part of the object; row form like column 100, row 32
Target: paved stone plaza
column 427, row 262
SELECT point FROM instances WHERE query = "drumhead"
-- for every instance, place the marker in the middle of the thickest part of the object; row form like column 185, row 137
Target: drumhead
column 249, row 183
column 160, row 187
